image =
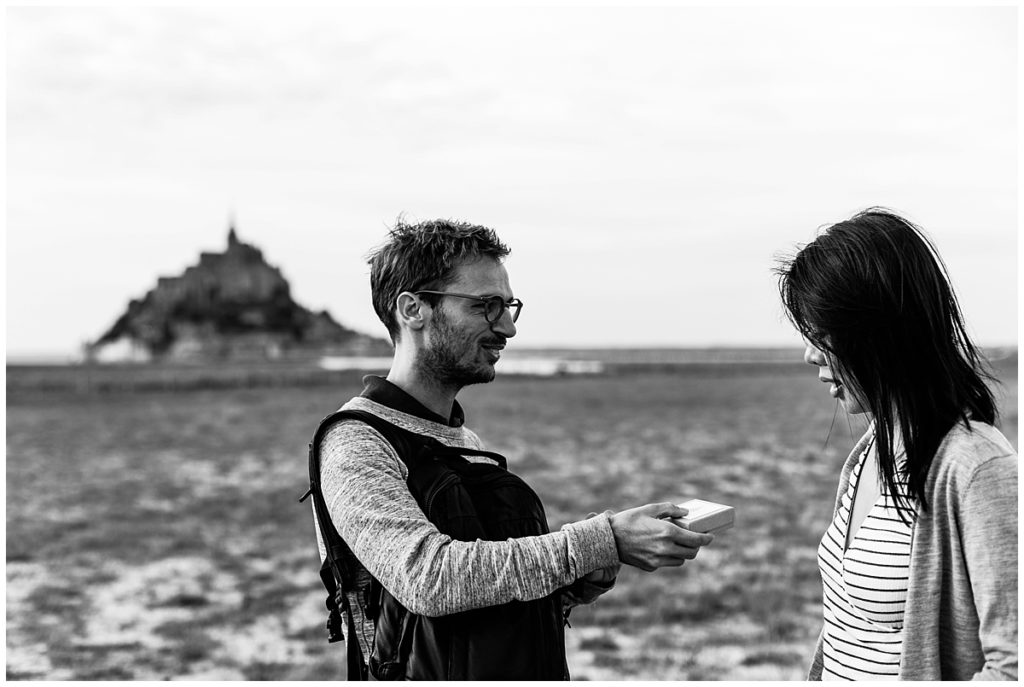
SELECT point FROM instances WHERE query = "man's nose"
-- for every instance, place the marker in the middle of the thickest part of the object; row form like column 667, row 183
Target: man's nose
column 505, row 326
column 813, row 356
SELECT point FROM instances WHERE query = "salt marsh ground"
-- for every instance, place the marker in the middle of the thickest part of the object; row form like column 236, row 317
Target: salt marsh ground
column 156, row 534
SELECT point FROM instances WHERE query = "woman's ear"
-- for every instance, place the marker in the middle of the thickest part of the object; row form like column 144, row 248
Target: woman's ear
column 411, row 311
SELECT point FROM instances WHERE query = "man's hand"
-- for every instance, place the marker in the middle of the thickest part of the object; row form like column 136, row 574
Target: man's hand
column 647, row 540
column 588, row 588
column 603, row 577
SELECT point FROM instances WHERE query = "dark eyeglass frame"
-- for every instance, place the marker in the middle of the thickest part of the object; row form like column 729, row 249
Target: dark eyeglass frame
column 514, row 306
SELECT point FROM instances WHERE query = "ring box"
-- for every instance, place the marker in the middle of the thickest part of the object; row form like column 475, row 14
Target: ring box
column 706, row 516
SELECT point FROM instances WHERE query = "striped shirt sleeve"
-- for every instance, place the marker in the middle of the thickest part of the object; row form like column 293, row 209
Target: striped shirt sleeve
column 431, row 574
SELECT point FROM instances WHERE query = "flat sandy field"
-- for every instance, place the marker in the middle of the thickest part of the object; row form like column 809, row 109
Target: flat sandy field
column 156, row 534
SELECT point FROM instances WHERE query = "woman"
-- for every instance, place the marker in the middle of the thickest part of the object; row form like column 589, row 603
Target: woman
column 919, row 565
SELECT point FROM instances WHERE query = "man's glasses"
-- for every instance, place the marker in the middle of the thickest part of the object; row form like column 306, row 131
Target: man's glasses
column 494, row 306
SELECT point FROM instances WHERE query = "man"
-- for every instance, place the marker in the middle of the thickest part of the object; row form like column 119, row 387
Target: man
column 442, row 292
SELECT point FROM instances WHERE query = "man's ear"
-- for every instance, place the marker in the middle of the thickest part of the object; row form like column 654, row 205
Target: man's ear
column 411, row 311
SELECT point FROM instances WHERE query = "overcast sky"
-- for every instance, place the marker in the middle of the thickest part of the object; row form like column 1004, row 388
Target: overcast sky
column 646, row 165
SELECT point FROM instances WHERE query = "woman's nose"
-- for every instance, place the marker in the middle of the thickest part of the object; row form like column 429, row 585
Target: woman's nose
column 813, row 356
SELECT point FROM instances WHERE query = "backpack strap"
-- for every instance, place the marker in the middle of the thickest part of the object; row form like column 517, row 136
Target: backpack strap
column 445, row 453
column 340, row 565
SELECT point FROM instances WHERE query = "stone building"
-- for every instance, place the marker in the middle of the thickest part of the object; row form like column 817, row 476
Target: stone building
column 231, row 305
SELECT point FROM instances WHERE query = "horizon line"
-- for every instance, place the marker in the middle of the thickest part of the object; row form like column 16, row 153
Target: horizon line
column 41, row 356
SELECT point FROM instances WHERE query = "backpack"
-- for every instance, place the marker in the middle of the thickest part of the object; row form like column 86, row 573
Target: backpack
column 467, row 501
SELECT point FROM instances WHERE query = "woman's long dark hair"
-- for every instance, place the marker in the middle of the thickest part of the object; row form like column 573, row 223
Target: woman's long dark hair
column 874, row 295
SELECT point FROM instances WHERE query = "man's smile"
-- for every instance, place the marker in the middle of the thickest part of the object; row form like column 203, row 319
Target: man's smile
column 493, row 349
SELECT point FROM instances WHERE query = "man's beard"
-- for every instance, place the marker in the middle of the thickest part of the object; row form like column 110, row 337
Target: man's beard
column 452, row 360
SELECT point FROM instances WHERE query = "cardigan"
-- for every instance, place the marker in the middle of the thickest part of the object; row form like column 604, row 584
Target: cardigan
column 960, row 619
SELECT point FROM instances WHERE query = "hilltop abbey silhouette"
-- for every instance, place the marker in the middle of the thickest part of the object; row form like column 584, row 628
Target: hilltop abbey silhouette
column 232, row 305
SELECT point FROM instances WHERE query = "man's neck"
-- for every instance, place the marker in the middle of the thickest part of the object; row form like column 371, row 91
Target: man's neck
column 436, row 398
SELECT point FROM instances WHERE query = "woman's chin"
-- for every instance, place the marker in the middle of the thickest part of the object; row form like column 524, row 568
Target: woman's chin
column 851, row 406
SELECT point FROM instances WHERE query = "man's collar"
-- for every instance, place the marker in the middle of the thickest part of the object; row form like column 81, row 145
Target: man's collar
column 382, row 391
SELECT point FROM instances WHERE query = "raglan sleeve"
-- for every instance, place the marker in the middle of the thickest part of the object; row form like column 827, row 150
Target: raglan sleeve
column 430, row 573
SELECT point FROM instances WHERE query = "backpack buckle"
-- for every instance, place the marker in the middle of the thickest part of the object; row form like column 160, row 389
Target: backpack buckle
column 335, row 627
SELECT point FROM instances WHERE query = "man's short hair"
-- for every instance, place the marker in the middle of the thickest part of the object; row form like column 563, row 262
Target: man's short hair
column 425, row 256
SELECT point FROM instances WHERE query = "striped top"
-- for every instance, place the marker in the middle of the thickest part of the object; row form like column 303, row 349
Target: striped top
column 961, row 603
column 865, row 588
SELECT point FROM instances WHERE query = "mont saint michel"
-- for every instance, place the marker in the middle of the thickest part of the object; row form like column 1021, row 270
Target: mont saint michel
column 230, row 306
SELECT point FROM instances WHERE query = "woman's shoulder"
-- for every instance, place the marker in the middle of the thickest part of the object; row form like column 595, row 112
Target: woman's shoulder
column 969, row 447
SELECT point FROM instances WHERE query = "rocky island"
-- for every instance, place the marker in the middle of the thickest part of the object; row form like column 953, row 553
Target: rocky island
column 231, row 306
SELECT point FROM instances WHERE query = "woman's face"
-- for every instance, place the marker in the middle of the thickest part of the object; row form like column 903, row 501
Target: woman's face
column 837, row 389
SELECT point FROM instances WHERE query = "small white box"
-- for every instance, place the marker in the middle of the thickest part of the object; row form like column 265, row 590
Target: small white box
column 706, row 516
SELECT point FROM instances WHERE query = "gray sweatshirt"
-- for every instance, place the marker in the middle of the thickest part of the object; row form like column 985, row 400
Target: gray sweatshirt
column 960, row 621
column 428, row 572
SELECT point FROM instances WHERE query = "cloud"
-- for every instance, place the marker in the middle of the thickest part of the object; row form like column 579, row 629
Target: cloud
column 707, row 132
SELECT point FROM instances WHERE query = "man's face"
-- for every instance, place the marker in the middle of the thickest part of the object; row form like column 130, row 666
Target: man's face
column 461, row 346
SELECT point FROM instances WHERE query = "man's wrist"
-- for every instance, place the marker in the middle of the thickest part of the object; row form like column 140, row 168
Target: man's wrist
column 591, row 545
